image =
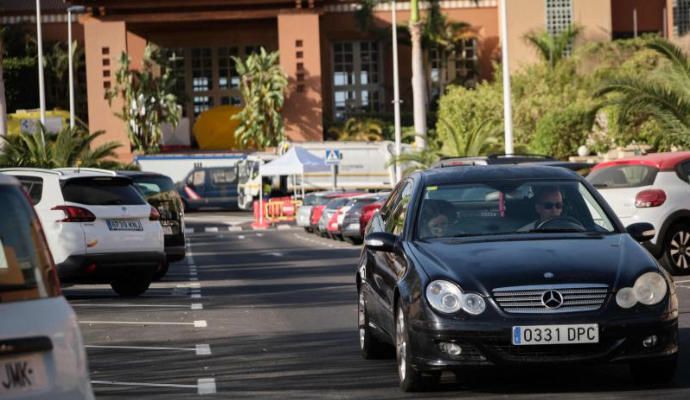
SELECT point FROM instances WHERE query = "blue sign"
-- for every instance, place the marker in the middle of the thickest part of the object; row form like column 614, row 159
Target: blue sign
column 333, row 157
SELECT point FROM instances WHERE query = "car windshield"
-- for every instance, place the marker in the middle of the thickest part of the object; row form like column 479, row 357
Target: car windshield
column 509, row 207
column 623, row 176
column 153, row 185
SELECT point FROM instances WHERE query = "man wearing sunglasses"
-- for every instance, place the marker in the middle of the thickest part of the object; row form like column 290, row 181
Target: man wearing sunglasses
column 548, row 202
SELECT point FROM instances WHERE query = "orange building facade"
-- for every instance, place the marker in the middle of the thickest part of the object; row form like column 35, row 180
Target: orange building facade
column 335, row 68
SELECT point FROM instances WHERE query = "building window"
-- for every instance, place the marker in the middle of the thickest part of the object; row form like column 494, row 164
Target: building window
column 176, row 61
column 202, row 70
column 357, row 83
column 681, row 17
column 559, row 15
column 227, row 74
column 457, row 67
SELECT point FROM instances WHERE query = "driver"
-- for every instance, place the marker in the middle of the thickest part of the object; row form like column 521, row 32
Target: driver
column 548, row 203
column 437, row 217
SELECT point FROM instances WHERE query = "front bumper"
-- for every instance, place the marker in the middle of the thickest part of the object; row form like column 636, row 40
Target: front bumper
column 104, row 268
column 489, row 344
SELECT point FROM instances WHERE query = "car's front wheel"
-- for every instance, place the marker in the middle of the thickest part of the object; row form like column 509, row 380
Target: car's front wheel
column 369, row 346
column 411, row 380
column 654, row 372
column 131, row 286
column 676, row 257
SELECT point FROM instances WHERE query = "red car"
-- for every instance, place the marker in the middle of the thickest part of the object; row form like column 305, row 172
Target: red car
column 317, row 209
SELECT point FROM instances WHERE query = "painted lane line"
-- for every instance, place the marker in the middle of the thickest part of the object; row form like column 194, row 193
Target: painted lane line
column 259, row 235
column 203, row 350
column 168, row 385
column 130, row 305
column 684, row 281
column 283, row 227
column 211, row 229
column 194, row 278
column 206, row 386
column 188, row 230
column 196, row 324
column 197, row 306
column 195, row 285
column 235, row 229
column 193, row 273
column 275, row 254
column 196, row 296
column 240, row 236
column 90, row 346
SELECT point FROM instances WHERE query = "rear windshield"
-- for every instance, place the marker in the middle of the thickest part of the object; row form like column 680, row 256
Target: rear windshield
column 101, row 192
column 25, row 264
column 623, row 176
column 153, row 185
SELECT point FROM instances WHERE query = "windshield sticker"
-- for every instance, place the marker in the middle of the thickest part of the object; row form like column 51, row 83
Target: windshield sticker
column 431, row 188
column 3, row 259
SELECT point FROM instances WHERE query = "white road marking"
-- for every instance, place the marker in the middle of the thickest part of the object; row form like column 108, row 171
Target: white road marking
column 283, row 227
column 211, row 229
column 196, row 349
column 197, row 306
column 276, row 254
column 128, row 305
column 206, row 386
column 685, row 281
column 240, row 237
column 168, row 385
column 196, row 324
column 194, row 278
column 193, row 273
column 259, row 235
column 196, row 296
column 235, row 229
column 203, row 350
column 188, row 230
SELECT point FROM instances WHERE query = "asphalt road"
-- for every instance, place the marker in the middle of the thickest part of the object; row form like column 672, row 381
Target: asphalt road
column 273, row 315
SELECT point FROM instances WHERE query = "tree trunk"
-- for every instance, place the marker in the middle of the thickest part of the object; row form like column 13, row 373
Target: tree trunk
column 418, row 84
column 3, row 101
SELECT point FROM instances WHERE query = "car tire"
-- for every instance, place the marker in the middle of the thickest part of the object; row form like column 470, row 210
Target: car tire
column 410, row 379
column 676, row 248
column 162, row 270
column 370, row 347
column 131, row 286
column 654, row 372
column 308, row 230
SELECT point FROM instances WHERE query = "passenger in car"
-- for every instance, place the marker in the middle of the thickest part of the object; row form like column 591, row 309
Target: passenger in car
column 437, row 216
column 548, row 203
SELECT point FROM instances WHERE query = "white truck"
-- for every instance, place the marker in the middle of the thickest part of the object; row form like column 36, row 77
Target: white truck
column 178, row 165
column 363, row 166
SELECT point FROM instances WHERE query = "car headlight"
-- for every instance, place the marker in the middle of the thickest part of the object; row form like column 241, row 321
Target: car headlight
column 649, row 289
column 448, row 298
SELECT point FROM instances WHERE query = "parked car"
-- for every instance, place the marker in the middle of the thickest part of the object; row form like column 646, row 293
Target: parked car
column 304, row 211
column 317, row 210
column 582, row 168
column 349, row 220
column 209, row 187
column 330, row 209
column 41, row 349
column 511, row 266
column 99, row 228
column 654, row 188
column 159, row 190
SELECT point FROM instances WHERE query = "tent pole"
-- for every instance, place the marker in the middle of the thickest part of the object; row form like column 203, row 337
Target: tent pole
column 261, row 196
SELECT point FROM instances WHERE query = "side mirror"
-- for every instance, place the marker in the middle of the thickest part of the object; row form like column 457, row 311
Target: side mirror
column 381, row 241
column 641, row 231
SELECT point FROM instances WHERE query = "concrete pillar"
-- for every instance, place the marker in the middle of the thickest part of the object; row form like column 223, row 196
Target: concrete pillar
column 300, row 58
column 104, row 42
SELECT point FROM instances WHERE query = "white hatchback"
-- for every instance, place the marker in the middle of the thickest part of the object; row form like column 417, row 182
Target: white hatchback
column 41, row 350
column 653, row 188
column 99, row 227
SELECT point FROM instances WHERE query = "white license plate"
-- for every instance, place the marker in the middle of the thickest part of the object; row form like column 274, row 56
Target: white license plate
column 555, row 334
column 124, row 225
column 22, row 374
column 167, row 230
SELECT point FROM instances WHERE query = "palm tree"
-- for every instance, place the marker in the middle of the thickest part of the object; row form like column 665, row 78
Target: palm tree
column 553, row 48
column 356, row 129
column 663, row 95
column 418, row 81
column 71, row 147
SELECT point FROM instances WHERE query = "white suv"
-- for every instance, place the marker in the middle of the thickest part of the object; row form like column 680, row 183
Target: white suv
column 99, row 228
column 654, row 188
column 41, row 349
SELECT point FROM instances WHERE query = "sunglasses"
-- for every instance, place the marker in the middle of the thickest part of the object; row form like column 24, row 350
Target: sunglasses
column 549, row 205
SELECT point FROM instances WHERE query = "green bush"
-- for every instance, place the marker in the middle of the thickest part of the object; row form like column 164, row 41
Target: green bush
column 560, row 132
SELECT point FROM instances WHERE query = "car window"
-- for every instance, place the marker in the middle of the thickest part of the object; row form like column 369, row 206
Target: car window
column 395, row 221
column 623, row 176
column 223, row 177
column 198, row 178
column 150, row 185
column 33, row 186
column 101, row 192
column 683, row 171
column 25, row 262
column 509, row 207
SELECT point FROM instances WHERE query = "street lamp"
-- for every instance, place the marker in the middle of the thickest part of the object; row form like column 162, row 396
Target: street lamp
column 396, row 91
column 71, row 10
column 507, row 108
column 41, row 84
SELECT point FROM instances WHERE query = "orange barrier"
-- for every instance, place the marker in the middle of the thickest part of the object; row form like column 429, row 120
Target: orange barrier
column 281, row 209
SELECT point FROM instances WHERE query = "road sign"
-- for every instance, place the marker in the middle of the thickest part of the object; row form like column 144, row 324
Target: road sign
column 332, row 157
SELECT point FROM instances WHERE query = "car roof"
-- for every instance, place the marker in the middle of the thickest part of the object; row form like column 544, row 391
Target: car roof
column 664, row 161
column 133, row 174
column 492, row 159
column 66, row 173
column 483, row 173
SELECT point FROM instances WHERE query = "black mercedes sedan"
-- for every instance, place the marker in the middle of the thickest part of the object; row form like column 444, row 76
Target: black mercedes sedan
column 511, row 265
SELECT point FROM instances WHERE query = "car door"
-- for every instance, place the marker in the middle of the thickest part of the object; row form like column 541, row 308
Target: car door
column 195, row 187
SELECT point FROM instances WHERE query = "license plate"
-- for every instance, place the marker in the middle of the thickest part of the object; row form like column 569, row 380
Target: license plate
column 167, row 230
column 22, row 374
column 555, row 334
column 124, row 225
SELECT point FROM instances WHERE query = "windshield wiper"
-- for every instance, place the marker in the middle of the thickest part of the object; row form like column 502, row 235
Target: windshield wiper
column 557, row 230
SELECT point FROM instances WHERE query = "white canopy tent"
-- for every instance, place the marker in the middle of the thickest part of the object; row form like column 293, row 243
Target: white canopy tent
column 297, row 161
